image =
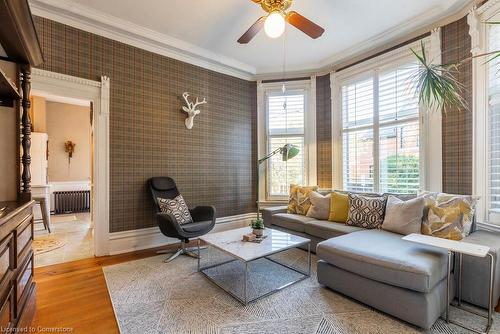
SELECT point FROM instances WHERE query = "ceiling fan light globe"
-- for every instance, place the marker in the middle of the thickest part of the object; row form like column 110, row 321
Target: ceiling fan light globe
column 275, row 25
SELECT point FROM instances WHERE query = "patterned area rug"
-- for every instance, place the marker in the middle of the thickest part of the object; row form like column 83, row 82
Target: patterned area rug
column 44, row 245
column 150, row 296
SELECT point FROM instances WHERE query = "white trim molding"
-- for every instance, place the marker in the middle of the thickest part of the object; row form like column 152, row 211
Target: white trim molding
column 99, row 23
column 130, row 241
column 480, row 107
column 88, row 19
column 432, row 121
column 99, row 93
column 261, row 139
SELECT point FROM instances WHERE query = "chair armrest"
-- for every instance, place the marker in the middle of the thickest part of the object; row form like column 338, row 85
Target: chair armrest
column 267, row 214
column 203, row 213
column 168, row 224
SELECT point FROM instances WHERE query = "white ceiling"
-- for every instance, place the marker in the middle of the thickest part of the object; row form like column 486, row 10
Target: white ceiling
column 210, row 28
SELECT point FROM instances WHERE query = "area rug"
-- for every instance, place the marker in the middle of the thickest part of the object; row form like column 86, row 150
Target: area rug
column 44, row 245
column 150, row 296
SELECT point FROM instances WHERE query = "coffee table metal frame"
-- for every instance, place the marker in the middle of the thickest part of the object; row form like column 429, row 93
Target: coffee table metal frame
column 245, row 300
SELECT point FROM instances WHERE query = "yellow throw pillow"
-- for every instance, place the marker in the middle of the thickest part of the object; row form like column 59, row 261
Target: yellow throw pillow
column 449, row 216
column 443, row 222
column 339, row 207
column 299, row 201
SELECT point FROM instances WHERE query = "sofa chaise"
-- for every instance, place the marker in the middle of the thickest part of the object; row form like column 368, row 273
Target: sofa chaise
column 378, row 268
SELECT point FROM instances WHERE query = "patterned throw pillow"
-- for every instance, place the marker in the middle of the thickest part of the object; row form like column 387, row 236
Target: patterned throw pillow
column 449, row 216
column 299, row 201
column 176, row 207
column 366, row 212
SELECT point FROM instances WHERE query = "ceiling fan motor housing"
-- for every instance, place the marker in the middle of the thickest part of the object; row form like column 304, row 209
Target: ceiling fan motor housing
column 276, row 5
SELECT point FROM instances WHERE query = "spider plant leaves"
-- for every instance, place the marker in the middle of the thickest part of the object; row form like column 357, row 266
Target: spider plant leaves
column 437, row 85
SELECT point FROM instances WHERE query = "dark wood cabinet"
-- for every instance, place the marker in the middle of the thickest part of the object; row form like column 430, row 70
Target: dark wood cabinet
column 7, row 313
column 17, row 287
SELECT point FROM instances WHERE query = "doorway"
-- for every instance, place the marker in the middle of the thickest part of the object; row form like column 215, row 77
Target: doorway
column 74, row 89
column 62, row 161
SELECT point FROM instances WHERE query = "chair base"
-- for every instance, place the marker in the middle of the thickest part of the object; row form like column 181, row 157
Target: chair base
column 183, row 250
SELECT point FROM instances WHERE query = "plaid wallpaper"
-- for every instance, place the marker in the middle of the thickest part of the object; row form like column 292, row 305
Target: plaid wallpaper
column 457, row 124
column 212, row 164
column 324, row 131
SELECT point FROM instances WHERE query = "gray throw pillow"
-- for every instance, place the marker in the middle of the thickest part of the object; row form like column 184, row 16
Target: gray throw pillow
column 320, row 206
column 366, row 212
column 403, row 217
column 176, row 207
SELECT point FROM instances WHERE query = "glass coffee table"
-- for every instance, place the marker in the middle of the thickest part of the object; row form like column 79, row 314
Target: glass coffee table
column 250, row 271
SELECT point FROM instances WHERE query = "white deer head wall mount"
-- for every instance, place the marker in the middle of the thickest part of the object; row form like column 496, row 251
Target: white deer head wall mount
column 191, row 110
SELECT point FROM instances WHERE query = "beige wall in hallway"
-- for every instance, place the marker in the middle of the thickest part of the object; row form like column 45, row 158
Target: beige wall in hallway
column 68, row 122
column 38, row 114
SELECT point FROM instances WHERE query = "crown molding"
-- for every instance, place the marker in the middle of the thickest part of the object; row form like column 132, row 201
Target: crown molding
column 384, row 37
column 64, row 77
column 90, row 20
column 489, row 5
column 98, row 23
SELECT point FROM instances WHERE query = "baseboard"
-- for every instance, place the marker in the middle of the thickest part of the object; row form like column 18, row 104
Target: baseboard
column 130, row 241
column 488, row 227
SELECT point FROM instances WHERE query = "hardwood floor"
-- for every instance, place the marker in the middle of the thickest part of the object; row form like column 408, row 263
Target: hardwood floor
column 74, row 295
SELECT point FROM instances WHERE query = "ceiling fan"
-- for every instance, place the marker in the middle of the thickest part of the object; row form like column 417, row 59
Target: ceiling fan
column 274, row 22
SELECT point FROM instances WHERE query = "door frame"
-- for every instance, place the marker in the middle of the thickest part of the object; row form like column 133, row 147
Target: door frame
column 99, row 93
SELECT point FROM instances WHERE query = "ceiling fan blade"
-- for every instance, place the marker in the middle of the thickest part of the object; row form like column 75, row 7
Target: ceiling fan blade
column 306, row 26
column 257, row 1
column 254, row 30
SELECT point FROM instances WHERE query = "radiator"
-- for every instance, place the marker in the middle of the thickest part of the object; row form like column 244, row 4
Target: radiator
column 71, row 201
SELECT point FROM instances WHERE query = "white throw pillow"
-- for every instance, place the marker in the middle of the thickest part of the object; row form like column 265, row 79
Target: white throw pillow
column 176, row 207
column 403, row 217
column 320, row 206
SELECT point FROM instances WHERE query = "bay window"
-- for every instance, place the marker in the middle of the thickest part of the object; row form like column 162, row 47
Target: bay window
column 381, row 130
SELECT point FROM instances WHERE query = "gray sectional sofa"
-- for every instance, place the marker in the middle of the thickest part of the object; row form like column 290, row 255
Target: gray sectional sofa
column 380, row 269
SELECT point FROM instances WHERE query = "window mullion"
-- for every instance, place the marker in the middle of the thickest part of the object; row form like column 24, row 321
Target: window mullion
column 376, row 131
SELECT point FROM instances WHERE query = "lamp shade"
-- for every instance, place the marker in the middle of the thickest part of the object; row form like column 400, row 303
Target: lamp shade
column 289, row 152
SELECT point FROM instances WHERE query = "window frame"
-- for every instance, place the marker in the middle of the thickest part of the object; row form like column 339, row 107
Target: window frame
column 310, row 168
column 481, row 142
column 430, row 156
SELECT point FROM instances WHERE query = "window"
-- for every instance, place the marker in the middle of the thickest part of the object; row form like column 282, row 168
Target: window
column 285, row 125
column 493, row 99
column 380, row 131
column 486, row 111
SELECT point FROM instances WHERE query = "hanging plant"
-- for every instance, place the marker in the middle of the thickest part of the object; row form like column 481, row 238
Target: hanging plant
column 438, row 86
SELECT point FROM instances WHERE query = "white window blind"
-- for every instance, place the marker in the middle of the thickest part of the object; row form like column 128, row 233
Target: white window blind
column 399, row 110
column 285, row 125
column 357, row 120
column 381, row 132
column 494, row 119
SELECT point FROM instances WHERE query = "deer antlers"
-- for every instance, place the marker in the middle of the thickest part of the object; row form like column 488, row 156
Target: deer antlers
column 191, row 110
column 191, row 106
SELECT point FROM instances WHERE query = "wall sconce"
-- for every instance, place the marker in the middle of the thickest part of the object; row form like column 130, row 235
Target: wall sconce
column 69, row 147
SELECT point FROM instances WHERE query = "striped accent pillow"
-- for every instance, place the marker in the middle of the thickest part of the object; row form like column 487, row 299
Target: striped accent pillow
column 177, row 207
